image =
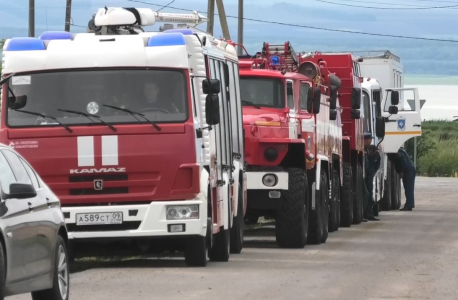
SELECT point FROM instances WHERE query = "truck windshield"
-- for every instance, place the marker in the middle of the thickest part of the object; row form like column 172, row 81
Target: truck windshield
column 262, row 92
column 159, row 95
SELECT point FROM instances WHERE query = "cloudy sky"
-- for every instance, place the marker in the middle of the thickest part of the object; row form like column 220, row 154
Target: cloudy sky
column 411, row 18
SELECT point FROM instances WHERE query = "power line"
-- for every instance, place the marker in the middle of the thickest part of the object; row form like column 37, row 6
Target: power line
column 391, row 8
column 314, row 27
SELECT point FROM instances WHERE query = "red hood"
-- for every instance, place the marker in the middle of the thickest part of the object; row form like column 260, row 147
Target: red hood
column 264, row 128
column 146, row 166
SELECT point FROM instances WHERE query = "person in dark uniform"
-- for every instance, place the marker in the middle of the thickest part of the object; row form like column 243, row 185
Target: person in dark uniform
column 372, row 164
column 404, row 165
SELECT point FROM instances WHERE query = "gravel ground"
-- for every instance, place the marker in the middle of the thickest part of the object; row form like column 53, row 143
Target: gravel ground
column 408, row 255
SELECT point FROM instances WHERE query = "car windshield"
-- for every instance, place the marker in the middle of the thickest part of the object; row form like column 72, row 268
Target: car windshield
column 262, row 92
column 160, row 95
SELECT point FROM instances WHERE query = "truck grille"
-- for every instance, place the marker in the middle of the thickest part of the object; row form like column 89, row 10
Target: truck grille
column 105, row 191
column 104, row 177
column 133, row 225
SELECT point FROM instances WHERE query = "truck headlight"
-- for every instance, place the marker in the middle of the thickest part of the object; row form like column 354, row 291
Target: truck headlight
column 181, row 212
column 270, row 180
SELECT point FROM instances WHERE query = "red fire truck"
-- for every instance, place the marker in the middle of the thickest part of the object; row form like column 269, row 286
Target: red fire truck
column 347, row 68
column 138, row 133
column 293, row 149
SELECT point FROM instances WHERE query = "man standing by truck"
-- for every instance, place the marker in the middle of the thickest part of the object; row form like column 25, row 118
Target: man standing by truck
column 372, row 164
column 404, row 165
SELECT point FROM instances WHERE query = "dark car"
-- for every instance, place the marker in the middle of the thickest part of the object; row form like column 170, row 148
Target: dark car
column 33, row 236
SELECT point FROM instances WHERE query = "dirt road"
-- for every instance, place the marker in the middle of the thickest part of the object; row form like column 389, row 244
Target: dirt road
column 408, row 255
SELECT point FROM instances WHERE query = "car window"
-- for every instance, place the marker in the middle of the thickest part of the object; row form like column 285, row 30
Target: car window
column 289, row 95
column 31, row 173
column 304, row 94
column 18, row 168
column 6, row 175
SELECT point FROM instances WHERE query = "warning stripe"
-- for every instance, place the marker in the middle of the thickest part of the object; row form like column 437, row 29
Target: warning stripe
column 402, row 132
column 86, row 157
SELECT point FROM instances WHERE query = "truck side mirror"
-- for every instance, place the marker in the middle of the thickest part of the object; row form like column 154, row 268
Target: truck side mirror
column 333, row 92
column 394, row 97
column 211, row 86
column 316, row 100
column 17, row 102
column 356, row 98
column 393, row 110
column 212, row 109
column 333, row 114
column 355, row 114
column 380, row 127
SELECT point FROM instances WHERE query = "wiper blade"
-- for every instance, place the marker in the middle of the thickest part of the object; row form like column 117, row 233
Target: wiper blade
column 88, row 116
column 250, row 104
column 134, row 114
column 44, row 117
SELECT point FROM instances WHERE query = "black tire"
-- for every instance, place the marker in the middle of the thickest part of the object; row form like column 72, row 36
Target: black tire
column 346, row 200
column 2, row 271
column 239, row 225
column 220, row 249
column 334, row 212
column 358, row 194
column 398, row 204
column 315, row 233
column 60, row 289
column 195, row 253
column 324, row 193
column 394, row 188
column 291, row 223
column 387, row 204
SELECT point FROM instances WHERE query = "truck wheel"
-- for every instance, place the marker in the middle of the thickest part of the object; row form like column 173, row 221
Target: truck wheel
column 358, row 194
column 346, row 201
column 315, row 234
column 324, row 193
column 238, row 227
column 398, row 205
column 195, row 253
column 291, row 223
column 220, row 249
column 334, row 213
column 395, row 187
column 387, row 204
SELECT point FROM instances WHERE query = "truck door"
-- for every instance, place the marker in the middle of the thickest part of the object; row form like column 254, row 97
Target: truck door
column 406, row 123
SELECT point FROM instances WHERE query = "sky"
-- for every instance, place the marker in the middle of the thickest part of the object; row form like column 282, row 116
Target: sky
column 391, row 17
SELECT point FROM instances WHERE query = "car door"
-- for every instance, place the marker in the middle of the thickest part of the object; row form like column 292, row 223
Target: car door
column 36, row 263
column 406, row 123
column 18, row 233
column 49, row 225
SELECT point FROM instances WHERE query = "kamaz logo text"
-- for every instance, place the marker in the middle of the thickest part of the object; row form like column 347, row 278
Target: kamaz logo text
column 97, row 171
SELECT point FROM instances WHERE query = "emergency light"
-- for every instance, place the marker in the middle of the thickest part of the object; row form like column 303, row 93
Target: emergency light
column 275, row 61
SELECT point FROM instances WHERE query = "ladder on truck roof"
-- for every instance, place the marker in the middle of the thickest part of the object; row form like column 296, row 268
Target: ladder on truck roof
column 287, row 57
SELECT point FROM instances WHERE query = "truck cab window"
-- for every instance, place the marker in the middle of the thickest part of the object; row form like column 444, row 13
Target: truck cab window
column 304, row 94
column 289, row 94
column 367, row 112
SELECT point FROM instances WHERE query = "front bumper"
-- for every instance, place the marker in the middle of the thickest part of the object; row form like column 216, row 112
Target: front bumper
column 255, row 181
column 150, row 217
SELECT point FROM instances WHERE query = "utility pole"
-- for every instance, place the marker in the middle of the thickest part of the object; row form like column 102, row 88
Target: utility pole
column 223, row 20
column 240, row 29
column 68, row 15
column 211, row 16
column 31, row 18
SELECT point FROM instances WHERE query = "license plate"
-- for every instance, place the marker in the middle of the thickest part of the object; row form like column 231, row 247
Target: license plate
column 99, row 218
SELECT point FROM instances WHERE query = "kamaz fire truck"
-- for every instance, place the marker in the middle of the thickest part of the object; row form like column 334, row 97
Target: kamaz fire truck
column 346, row 67
column 293, row 147
column 138, row 133
column 394, row 118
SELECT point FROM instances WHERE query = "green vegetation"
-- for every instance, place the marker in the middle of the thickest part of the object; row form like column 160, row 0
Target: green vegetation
column 437, row 148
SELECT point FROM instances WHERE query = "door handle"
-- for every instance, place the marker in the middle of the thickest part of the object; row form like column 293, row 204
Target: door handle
column 30, row 206
column 416, row 125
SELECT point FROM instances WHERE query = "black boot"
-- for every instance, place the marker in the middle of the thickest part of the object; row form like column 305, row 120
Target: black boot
column 372, row 218
column 406, row 208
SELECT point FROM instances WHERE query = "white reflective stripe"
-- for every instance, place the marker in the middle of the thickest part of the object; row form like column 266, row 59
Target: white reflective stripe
column 85, row 151
column 110, row 150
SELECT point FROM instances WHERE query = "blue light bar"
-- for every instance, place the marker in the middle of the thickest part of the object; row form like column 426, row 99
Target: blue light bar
column 275, row 61
column 183, row 31
column 25, row 44
column 170, row 39
column 56, row 35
